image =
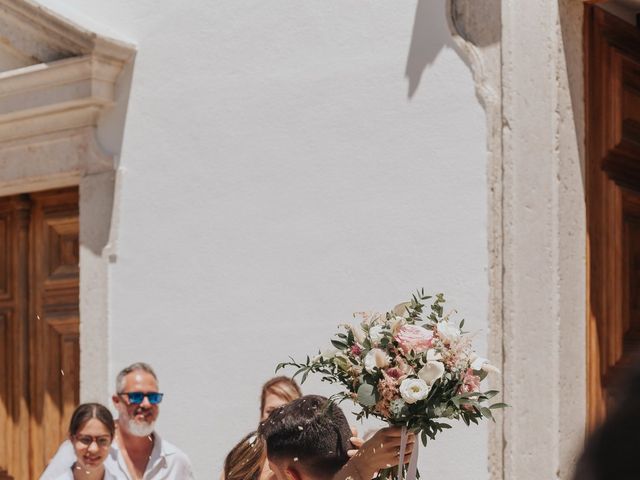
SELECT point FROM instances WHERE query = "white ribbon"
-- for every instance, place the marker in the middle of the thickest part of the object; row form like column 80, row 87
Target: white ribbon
column 413, row 460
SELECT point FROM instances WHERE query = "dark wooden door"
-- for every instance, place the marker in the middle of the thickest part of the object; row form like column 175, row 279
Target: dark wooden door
column 39, row 327
column 612, row 175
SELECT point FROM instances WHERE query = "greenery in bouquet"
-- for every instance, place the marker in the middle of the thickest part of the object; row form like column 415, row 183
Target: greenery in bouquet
column 412, row 366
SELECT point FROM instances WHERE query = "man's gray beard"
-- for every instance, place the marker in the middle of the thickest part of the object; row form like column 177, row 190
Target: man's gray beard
column 140, row 429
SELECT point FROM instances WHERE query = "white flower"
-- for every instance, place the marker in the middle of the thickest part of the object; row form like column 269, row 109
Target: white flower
column 413, row 390
column 328, row 354
column 433, row 355
column 448, row 332
column 358, row 334
column 480, row 363
column 396, row 406
column 477, row 362
column 432, row 371
column 375, row 358
column 375, row 333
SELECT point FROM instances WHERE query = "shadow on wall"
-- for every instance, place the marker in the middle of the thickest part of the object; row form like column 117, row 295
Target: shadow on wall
column 571, row 26
column 110, row 136
column 476, row 21
column 430, row 34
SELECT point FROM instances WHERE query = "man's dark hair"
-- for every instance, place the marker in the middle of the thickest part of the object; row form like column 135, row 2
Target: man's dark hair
column 611, row 452
column 311, row 429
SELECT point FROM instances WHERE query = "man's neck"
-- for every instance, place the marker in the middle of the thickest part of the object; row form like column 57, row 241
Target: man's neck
column 135, row 450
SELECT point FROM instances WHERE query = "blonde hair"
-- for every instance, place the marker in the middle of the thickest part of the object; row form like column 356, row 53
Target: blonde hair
column 245, row 460
column 283, row 387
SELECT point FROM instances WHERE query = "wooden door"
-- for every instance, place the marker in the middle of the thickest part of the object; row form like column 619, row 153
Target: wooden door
column 612, row 176
column 39, row 323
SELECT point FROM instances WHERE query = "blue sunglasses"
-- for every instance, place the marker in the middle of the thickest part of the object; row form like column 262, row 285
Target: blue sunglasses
column 136, row 398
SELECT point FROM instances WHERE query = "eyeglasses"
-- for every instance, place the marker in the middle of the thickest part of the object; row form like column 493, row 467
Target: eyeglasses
column 136, row 398
column 87, row 440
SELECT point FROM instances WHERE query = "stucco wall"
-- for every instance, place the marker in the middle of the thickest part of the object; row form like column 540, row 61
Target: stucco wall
column 285, row 164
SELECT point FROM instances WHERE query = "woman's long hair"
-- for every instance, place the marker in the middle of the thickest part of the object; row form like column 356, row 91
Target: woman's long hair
column 246, row 459
column 283, row 387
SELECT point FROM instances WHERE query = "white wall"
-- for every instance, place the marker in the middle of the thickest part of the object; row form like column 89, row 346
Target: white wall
column 278, row 178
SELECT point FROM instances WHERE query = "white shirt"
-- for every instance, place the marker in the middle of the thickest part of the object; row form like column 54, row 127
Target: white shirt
column 167, row 462
column 68, row 475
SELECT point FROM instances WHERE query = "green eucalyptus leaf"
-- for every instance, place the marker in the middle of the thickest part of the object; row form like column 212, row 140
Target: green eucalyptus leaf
column 366, row 395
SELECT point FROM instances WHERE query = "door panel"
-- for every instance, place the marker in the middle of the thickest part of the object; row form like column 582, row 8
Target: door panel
column 612, row 63
column 39, row 327
column 55, row 352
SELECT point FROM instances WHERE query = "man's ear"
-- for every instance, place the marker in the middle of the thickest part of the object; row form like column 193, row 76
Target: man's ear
column 292, row 473
column 116, row 400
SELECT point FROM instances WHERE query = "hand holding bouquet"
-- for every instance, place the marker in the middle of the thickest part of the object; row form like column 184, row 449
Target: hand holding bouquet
column 408, row 367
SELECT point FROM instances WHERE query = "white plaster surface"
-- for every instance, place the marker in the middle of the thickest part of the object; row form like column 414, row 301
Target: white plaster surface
column 278, row 178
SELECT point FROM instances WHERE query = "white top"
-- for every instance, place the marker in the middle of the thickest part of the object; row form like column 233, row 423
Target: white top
column 167, row 462
column 68, row 475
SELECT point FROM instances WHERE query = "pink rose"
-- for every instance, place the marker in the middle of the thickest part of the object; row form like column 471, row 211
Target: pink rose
column 470, row 383
column 413, row 337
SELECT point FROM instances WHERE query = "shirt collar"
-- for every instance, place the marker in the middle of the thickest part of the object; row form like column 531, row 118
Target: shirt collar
column 158, row 458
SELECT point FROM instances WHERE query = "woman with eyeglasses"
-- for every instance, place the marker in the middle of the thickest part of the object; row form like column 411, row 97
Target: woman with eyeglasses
column 91, row 432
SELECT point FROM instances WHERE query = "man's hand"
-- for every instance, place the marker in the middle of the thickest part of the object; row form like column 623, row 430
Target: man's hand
column 356, row 441
column 380, row 451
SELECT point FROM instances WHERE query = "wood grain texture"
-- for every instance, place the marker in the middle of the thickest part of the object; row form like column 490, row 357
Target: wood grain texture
column 39, row 326
column 612, row 78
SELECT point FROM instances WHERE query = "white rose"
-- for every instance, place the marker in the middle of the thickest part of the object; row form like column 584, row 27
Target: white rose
column 375, row 358
column 431, row 372
column 448, row 332
column 413, row 390
column 375, row 333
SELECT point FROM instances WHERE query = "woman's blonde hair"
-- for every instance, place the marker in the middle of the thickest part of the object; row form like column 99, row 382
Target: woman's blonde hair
column 284, row 387
column 246, row 459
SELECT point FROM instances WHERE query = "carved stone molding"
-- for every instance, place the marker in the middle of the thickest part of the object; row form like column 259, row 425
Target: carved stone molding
column 67, row 76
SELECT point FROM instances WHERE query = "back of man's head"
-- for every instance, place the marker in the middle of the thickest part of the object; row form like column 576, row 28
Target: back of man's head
column 611, row 451
column 309, row 436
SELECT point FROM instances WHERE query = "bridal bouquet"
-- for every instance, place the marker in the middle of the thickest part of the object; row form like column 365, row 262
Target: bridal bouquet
column 413, row 366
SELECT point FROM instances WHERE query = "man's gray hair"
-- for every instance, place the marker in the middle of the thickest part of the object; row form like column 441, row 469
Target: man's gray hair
column 145, row 367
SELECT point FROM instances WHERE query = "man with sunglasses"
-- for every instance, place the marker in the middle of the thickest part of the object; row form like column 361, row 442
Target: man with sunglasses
column 138, row 452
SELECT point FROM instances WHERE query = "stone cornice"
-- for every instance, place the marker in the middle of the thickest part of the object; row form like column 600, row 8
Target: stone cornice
column 46, row 36
column 72, row 79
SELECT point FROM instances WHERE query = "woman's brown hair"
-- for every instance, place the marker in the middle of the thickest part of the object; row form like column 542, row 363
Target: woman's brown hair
column 85, row 412
column 246, row 459
column 284, row 387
